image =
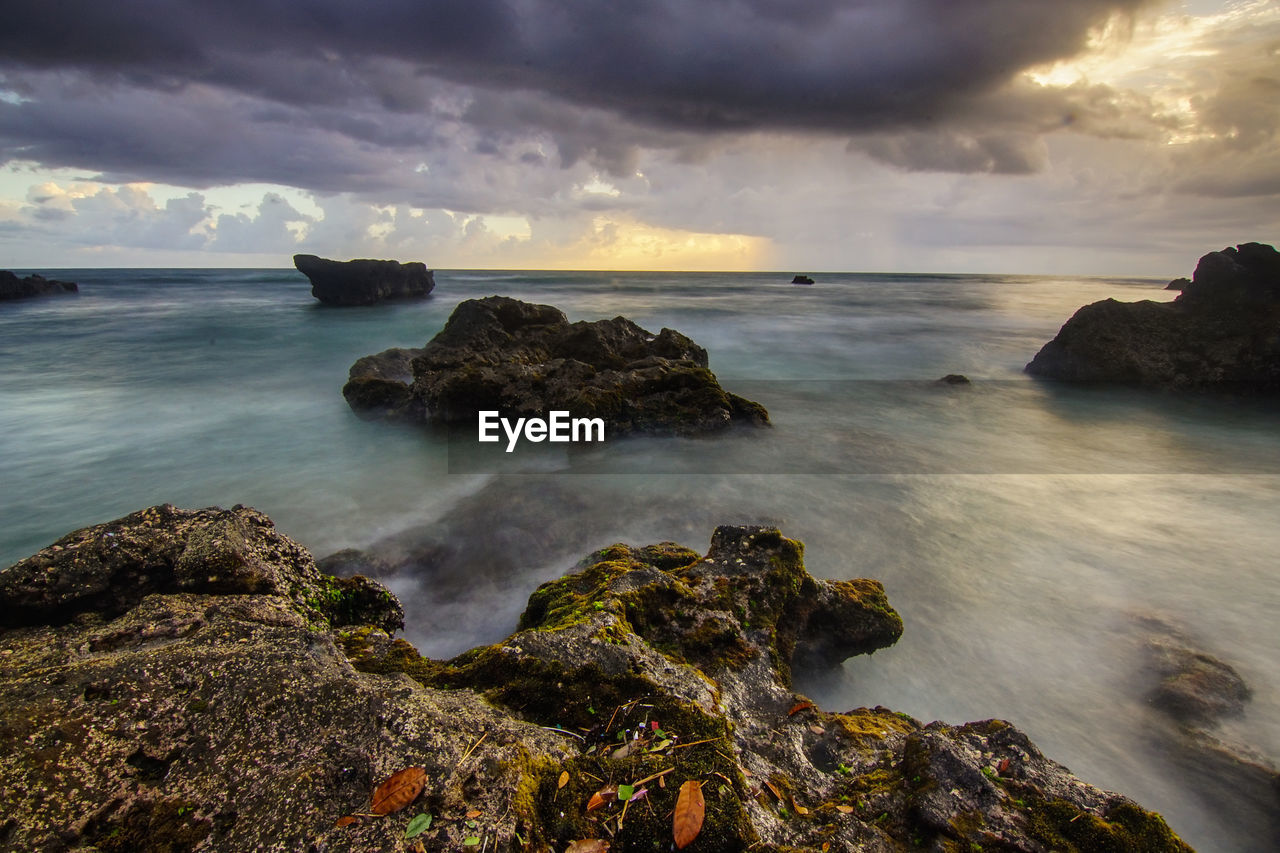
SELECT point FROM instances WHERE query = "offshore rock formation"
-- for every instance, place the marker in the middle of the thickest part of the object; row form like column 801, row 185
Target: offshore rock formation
column 526, row 360
column 1222, row 331
column 363, row 281
column 240, row 700
column 12, row 287
column 802, row 279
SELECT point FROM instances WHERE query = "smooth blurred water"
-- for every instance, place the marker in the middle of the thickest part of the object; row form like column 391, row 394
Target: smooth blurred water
column 1021, row 529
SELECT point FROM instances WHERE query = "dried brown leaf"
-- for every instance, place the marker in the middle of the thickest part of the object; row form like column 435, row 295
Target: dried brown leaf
column 1004, row 766
column 773, row 788
column 564, row 780
column 798, row 707
column 474, row 813
column 800, row 810
column 845, row 809
column 345, row 820
column 602, row 798
column 588, row 845
column 690, row 810
column 400, row 789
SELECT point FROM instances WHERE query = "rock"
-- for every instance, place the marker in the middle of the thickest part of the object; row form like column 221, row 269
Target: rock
column 1222, row 331
column 229, row 720
column 1193, row 693
column 364, row 281
column 378, row 386
column 1195, row 687
column 110, row 568
column 802, row 279
column 1178, row 284
column 954, row 379
column 12, row 287
column 526, row 360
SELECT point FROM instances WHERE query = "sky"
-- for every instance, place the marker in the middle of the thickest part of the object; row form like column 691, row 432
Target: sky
column 1081, row 137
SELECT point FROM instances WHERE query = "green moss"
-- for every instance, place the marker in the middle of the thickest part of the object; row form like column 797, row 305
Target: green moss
column 386, row 657
column 354, row 601
column 717, row 644
column 571, row 600
column 1125, row 829
column 870, row 725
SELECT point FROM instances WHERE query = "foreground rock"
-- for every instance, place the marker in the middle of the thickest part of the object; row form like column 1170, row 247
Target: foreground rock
column 526, row 360
column 12, row 287
column 240, row 700
column 1222, row 331
column 363, row 281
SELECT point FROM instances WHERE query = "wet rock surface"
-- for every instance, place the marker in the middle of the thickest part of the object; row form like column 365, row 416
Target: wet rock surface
column 526, row 360
column 364, row 281
column 243, row 713
column 13, row 287
column 1221, row 332
column 1196, row 696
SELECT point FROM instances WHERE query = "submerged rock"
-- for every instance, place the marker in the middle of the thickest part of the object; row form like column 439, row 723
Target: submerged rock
column 12, row 287
column 241, row 714
column 1194, row 695
column 364, row 281
column 955, row 379
column 526, row 360
column 802, row 279
column 1222, row 331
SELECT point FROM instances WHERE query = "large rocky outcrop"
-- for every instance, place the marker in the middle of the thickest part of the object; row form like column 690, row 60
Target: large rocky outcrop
column 12, row 287
column 364, row 281
column 240, row 700
column 526, row 360
column 1222, row 331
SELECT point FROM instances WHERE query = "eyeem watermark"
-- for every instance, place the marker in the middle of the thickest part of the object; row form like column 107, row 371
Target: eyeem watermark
column 559, row 427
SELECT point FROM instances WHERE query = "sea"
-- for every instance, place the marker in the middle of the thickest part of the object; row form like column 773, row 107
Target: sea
column 1030, row 534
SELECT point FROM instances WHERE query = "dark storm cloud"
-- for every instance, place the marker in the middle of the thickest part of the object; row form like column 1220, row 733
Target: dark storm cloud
column 331, row 95
column 717, row 64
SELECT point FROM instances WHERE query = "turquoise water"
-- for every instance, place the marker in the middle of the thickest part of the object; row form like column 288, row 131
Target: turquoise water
column 1021, row 529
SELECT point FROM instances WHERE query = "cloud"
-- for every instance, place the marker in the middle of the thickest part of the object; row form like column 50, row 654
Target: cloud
column 127, row 215
column 813, row 130
column 716, row 64
column 315, row 95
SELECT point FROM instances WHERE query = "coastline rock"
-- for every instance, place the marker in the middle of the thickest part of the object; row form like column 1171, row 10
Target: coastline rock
column 802, row 279
column 955, row 379
column 12, row 287
column 212, row 717
column 1178, row 284
column 526, row 360
column 1222, row 331
column 364, row 281
column 378, row 386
